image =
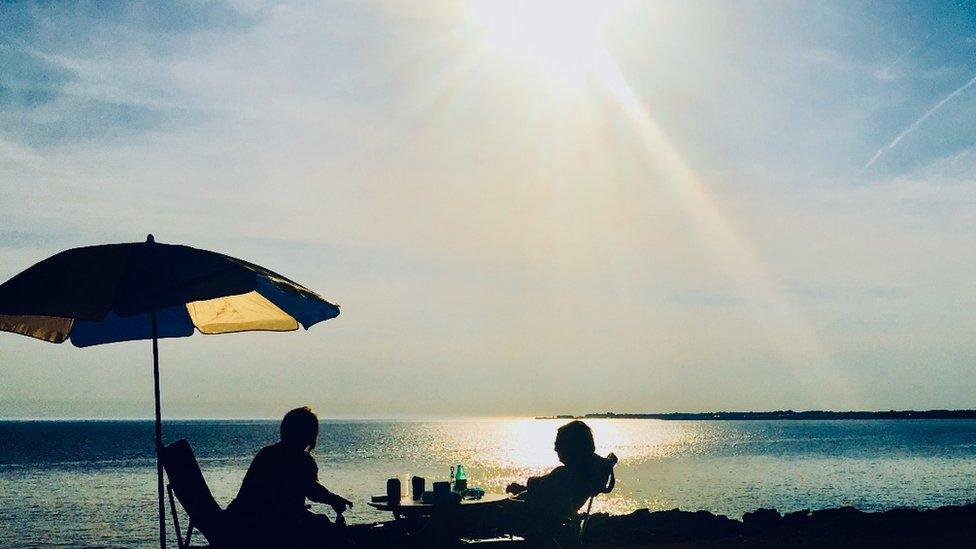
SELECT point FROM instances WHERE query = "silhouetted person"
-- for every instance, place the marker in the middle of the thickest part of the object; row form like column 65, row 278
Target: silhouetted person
column 566, row 488
column 547, row 501
column 270, row 510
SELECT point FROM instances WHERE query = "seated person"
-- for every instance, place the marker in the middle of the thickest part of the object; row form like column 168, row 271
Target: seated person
column 546, row 501
column 561, row 492
column 269, row 510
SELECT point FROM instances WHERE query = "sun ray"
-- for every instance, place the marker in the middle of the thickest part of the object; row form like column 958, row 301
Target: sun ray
column 795, row 339
column 552, row 62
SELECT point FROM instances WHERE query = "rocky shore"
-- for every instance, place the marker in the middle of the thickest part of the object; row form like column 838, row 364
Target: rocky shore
column 951, row 526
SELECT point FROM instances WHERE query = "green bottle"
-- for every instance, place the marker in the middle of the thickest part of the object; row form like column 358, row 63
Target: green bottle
column 460, row 479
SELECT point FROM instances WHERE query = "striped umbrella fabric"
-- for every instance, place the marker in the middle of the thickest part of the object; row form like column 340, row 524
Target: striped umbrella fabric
column 105, row 294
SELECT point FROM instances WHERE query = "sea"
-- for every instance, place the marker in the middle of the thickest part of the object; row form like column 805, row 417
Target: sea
column 92, row 483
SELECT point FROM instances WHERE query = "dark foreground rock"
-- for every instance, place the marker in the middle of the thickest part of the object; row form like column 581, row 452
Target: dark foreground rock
column 952, row 526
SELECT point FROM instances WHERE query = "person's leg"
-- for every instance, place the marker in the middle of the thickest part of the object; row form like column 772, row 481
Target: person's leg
column 504, row 517
column 529, row 521
column 317, row 531
column 248, row 531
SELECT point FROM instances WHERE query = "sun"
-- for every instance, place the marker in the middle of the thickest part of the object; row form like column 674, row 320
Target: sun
column 559, row 39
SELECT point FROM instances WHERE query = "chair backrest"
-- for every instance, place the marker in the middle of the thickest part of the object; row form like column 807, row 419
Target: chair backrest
column 191, row 488
column 611, row 462
column 610, row 480
column 603, row 479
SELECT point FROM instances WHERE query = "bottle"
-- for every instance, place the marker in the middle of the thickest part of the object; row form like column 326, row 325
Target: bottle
column 460, row 479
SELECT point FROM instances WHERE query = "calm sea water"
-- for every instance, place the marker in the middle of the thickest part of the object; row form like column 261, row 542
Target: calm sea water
column 92, row 483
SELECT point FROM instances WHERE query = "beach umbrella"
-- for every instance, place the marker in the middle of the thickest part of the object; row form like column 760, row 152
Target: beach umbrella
column 147, row 290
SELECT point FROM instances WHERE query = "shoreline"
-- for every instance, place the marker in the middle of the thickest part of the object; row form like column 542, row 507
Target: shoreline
column 952, row 525
column 776, row 415
column 779, row 415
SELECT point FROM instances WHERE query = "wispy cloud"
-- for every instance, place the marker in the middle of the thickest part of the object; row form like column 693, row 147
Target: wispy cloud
column 914, row 125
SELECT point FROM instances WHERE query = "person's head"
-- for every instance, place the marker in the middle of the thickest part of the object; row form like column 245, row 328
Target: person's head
column 574, row 442
column 300, row 428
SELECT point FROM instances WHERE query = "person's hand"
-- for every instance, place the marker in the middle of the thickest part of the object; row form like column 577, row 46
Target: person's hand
column 341, row 504
column 515, row 488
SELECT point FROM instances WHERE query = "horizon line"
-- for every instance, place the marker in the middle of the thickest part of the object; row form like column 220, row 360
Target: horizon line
column 475, row 418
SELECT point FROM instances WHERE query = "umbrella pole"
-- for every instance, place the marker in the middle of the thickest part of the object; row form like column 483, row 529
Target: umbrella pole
column 159, row 436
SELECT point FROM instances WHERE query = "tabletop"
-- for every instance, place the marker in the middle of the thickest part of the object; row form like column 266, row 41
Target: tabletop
column 410, row 505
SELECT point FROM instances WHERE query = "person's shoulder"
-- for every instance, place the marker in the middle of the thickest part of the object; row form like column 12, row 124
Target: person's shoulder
column 264, row 458
column 594, row 462
column 273, row 452
column 558, row 471
column 296, row 456
column 270, row 449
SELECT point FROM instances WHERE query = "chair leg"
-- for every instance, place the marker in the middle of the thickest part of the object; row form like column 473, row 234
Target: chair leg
column 189, row 534
column 176, row 517
column 586, row 519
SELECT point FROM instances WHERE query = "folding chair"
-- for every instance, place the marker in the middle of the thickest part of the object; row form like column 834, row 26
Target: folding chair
column 190, row 488
column 607, row 487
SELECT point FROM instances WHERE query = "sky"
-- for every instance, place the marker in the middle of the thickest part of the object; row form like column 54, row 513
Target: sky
column 541, row 208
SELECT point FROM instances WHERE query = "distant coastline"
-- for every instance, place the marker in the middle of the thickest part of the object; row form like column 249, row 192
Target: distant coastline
column 779, row 415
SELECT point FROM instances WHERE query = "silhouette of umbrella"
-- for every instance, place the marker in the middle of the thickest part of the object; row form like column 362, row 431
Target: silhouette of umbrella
column 123, row 292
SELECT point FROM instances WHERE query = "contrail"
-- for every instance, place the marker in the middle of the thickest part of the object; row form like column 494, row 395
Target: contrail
column 919, row 122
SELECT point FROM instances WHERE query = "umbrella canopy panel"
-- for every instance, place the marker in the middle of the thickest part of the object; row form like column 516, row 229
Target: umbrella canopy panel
column 105, row 294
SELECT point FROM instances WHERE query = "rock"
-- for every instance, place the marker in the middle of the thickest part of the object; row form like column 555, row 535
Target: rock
column 796, row 517
column 761, row 519
column 838, row 514
column 951, row 526
column 902, row 513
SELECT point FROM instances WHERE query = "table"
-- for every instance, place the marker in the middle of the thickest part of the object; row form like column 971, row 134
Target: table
column 410, row 506
column 418, row 518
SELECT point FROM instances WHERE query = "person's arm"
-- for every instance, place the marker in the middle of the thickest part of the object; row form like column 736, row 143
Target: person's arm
column 541, row 482
column 534, row 483
column 321, row 494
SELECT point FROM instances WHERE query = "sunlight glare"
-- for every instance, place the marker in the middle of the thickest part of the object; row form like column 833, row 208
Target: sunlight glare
column 562, row 44
column 792, row 335
column 561, row 39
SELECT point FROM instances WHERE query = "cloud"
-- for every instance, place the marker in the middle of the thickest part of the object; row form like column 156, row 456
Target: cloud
column 72, row 73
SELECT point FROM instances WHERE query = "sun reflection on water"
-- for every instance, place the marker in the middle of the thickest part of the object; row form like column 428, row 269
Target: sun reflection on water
column 727, row 467
column 516, row 449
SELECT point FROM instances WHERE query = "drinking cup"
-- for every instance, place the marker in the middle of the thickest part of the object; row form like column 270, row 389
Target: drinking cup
column 417, row 485
column 393, row 491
